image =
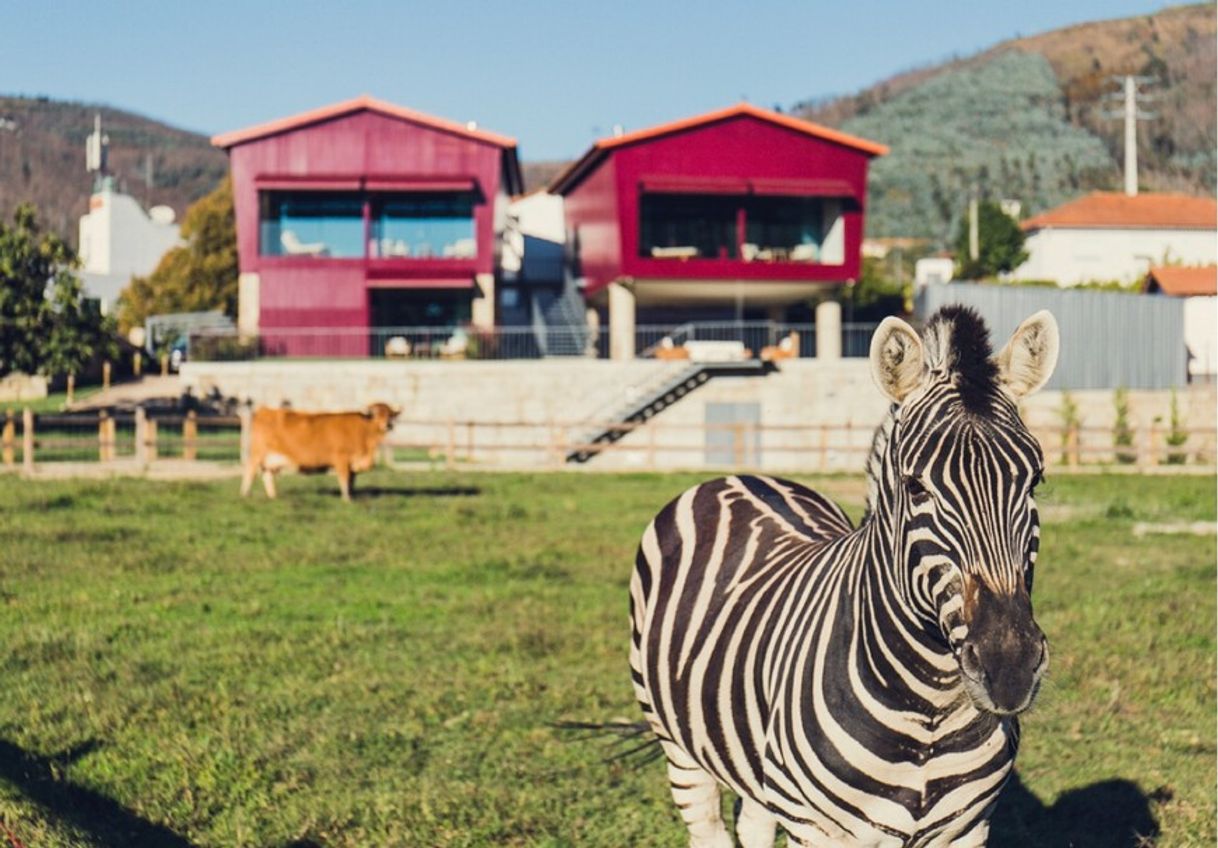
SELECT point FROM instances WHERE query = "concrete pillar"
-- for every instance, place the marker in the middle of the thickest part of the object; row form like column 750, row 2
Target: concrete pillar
column 248, row 303
column 829, row 330
column 621, row 322
column 482, row 310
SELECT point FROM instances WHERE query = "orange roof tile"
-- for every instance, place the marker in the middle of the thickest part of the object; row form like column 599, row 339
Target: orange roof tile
column 1184, row 282
column 1104, row 209
column 364, row 101
column 576, row 168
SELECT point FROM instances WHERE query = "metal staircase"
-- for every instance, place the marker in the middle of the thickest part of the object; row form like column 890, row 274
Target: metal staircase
column 565, row 324
column 652, row 398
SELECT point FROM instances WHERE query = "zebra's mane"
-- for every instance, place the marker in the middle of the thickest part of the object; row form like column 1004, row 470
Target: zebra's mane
column 957, row 343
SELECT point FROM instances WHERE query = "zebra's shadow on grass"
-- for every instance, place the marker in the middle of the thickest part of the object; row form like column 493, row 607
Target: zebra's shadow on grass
column 1109, row 814
column 105, row 821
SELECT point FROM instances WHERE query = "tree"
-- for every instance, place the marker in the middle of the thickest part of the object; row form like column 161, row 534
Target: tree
column 198, row 276
column 999, row 241
column 46, row 326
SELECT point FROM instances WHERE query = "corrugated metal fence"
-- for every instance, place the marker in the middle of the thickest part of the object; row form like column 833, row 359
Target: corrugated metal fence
column 1109, row 339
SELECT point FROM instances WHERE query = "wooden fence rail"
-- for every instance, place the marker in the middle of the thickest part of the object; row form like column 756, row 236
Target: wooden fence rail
column 142, row 439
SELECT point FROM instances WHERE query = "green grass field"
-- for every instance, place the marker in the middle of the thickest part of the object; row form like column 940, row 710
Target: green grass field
column 183, row 668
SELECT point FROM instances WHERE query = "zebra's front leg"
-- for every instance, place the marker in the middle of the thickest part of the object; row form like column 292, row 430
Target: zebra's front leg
column 755, row 826
column 696, row 793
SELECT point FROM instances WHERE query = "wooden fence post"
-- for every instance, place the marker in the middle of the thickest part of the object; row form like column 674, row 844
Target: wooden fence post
column 101, row 436
column 10, row 436
column 137, row 363
column 190, row 436
column 27, row 440
column 141, row 436
column 1072, row 446
column 106, row 376
column 1152, row 446
column 823, row 464
column 560, row 445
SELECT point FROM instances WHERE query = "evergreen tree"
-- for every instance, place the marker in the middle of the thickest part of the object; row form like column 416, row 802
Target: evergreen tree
column 999, row 241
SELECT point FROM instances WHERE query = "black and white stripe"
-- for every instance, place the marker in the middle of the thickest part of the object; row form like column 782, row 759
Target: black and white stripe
column 856, row 686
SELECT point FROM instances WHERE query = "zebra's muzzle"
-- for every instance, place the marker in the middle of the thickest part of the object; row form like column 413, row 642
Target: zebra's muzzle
column 1005, row 655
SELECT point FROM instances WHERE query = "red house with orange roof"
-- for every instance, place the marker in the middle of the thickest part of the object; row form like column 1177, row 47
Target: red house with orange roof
column 741, row 212
column 365, row 214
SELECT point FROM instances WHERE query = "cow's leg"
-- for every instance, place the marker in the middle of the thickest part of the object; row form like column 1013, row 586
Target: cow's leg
column 268, row 482
column 343, row 472
column 696, row 793
column 755, row 826
column 247, row 478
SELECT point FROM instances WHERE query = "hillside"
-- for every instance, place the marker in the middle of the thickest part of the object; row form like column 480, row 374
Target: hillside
column 42, row 159
column 1026, row 119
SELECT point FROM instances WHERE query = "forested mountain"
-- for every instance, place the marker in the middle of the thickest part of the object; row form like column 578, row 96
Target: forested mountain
column 1030, row 119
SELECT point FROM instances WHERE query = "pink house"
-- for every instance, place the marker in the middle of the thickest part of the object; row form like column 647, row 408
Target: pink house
column 742, row 212
column 364, row 214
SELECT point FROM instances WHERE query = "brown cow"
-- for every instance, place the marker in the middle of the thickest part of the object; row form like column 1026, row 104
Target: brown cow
column 315, row 441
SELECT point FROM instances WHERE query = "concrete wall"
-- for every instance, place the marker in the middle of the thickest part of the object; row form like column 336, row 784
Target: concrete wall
column 813, row 415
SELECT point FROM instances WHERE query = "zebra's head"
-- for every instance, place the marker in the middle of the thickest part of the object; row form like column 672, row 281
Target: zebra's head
column 956, row 482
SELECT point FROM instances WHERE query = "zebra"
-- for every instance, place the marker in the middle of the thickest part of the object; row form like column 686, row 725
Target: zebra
column 858, row 686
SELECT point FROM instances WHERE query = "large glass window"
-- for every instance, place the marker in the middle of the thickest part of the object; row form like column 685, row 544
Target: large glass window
column 312, row 224
column 783, row 229
column 423, row 226
column 687, row 226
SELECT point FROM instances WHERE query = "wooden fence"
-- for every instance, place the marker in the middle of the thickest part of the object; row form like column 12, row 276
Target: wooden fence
column 138, row 440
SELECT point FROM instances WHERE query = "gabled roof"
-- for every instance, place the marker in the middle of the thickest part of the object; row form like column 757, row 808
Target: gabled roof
column 357, row 104
column 1184, row 282
column 601, row 147
column 1114, row 210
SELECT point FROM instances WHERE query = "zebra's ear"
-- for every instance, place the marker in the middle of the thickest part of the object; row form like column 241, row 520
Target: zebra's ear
column 896, row 358
column 1028, row 360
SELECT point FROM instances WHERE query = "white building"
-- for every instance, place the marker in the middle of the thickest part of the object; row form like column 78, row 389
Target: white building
column 1111, row 236
column 118, row 240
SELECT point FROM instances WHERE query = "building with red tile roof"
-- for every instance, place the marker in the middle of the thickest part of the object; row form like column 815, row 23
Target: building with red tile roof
column 1183, row 281
column 1112, row 236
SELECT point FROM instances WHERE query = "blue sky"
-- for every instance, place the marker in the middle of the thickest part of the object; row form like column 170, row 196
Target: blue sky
column 555, row 75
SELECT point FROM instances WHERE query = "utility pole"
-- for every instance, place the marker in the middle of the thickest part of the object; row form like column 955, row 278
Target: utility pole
column 1131, row 97
column 974, row 230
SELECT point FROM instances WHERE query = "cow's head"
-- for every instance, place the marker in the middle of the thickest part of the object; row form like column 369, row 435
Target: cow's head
column 383, row 414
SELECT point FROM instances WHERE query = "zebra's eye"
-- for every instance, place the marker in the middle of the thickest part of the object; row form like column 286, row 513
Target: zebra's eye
column 917, row 492
column 1037, row 479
